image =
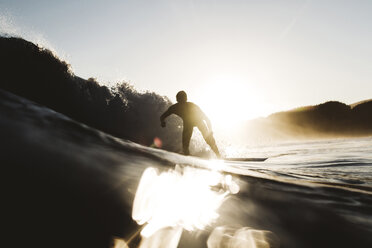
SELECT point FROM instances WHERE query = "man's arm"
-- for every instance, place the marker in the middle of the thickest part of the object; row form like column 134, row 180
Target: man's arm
column 209, row 124
column 165, row 115
column 206, row 119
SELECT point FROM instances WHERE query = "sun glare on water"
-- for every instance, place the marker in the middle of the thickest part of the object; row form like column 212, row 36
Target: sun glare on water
column 228, row 101
column 183, row 198
column 188, row 198
column 180, row 197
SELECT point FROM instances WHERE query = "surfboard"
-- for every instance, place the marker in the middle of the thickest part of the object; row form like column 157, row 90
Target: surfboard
column 245, row 159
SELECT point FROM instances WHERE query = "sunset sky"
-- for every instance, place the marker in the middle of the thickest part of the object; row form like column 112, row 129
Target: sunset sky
column 236, row 59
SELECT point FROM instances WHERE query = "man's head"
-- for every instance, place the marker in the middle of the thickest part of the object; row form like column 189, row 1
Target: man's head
column 181, row 96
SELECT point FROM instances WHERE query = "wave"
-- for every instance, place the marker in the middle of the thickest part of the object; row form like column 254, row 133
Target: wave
column 69, row 185
column 37, row 74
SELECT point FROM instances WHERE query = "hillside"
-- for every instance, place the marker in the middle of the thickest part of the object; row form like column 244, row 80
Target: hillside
column 329, row 119
column 360, row 102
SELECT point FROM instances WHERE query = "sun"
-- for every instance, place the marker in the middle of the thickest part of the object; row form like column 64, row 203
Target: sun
column 228, row 101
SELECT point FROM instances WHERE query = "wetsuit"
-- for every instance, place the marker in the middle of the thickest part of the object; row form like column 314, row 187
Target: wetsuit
column 192, row 116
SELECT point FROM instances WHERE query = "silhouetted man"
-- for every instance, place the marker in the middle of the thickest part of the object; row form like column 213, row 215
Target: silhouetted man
column 192, row 116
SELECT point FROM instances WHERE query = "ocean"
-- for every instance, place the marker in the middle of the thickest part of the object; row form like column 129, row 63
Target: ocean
column 65, row 184
column 342, row 162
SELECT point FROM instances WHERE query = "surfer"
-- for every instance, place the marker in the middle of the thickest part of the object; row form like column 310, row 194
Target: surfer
column 192, row 116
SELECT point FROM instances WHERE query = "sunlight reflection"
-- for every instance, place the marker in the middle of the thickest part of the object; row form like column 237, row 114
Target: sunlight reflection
column 186, row 198
column 229, row 237
column 165, row 237
column 119, row 243
column 216, row 165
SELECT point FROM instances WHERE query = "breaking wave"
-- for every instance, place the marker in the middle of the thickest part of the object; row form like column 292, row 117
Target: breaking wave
column 38, row 74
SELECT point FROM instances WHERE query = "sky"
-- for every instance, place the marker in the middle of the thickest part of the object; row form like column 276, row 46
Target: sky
column 236, row 59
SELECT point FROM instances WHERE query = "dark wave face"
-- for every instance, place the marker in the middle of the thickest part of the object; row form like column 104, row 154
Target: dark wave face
column 39, row 75
column 68, row 185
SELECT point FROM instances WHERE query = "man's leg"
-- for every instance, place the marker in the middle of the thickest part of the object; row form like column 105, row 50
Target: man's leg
column 208, row 137
column 186, row 136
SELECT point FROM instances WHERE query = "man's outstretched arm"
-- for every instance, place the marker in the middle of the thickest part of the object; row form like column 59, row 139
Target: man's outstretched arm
column 207, row 121
column 209, row 124
column 165, row 115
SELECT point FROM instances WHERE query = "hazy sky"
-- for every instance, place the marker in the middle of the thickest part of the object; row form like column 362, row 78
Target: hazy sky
column 234, row 58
